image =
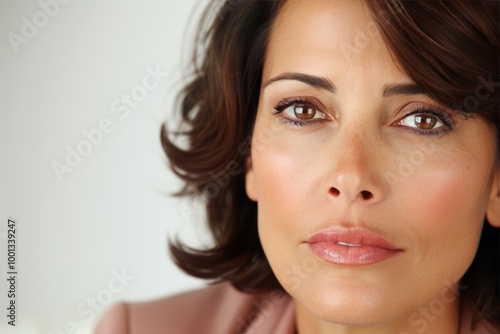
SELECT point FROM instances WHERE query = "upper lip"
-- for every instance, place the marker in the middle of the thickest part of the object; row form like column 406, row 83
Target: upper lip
column 352, row 237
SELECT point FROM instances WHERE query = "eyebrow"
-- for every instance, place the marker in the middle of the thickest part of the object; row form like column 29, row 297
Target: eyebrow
column 323, row 83
column 404, row 89
column 311, row 80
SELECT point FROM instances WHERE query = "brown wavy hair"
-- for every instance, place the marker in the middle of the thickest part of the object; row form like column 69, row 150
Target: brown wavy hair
column 449, row 48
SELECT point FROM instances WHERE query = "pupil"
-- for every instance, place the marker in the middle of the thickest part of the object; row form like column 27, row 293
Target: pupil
column 425, row 121
column 304, row 111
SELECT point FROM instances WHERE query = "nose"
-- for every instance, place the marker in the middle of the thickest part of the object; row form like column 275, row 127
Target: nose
column 355, row 174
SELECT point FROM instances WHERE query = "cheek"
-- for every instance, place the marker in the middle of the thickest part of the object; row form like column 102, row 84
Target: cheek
column 285, row 166
column 287, row 182
column 283, row 182
column 445, row 208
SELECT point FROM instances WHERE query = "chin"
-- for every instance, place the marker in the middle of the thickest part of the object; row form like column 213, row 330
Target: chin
column 353, row 315
column 349, row 302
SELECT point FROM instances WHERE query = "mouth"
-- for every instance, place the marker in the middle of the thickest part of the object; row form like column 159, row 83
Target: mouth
column 354, row 247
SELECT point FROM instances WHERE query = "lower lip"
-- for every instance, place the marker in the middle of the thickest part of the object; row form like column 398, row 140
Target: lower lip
column 351, row 255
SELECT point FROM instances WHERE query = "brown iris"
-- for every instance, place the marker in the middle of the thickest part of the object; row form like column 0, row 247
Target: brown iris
column 425, row 121
column 304, row 111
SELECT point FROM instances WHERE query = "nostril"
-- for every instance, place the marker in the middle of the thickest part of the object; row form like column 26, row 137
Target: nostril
column 334, row 191
column 366, row 194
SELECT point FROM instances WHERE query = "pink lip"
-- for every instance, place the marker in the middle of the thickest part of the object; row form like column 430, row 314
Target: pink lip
column 349, row 246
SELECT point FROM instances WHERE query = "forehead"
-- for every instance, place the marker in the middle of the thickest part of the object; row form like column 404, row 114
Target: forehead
column 328, row 38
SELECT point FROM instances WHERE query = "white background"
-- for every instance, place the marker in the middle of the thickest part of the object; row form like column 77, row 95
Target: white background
column 113, row 211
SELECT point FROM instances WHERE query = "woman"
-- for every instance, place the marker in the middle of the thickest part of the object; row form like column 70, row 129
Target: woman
column 348, row 154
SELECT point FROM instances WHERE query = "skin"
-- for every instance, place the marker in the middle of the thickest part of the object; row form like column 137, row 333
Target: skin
column 362, row 166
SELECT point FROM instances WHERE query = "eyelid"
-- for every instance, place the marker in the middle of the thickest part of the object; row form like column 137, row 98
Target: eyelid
column 443, row 116
column 301, row 99
column 425, row 108
column 284, row 104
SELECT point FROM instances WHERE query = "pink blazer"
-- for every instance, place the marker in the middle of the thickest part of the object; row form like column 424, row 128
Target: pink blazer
column 218, row 309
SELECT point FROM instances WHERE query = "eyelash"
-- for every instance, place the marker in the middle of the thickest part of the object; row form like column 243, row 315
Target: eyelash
column 298, row 124
column 441, row 115
column 290, row 102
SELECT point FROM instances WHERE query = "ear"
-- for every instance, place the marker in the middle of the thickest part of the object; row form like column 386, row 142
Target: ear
column 493, row 210
column 250, row 185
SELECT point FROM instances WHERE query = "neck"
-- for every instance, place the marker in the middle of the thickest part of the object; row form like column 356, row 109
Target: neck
column 426, row 319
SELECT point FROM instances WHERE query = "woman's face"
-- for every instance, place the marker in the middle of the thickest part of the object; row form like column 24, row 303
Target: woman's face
column 345, row 145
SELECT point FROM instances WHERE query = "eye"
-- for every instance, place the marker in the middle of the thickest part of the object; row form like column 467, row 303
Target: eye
column 299, row 110
column 422, row 121
column 303, row 111
column 427, row 121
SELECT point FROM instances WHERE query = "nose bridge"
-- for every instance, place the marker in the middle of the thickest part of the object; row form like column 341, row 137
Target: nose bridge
column 354, row 174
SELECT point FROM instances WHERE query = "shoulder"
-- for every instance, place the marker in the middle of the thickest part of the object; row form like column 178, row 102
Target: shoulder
column 217, row 309
column 114, row 321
